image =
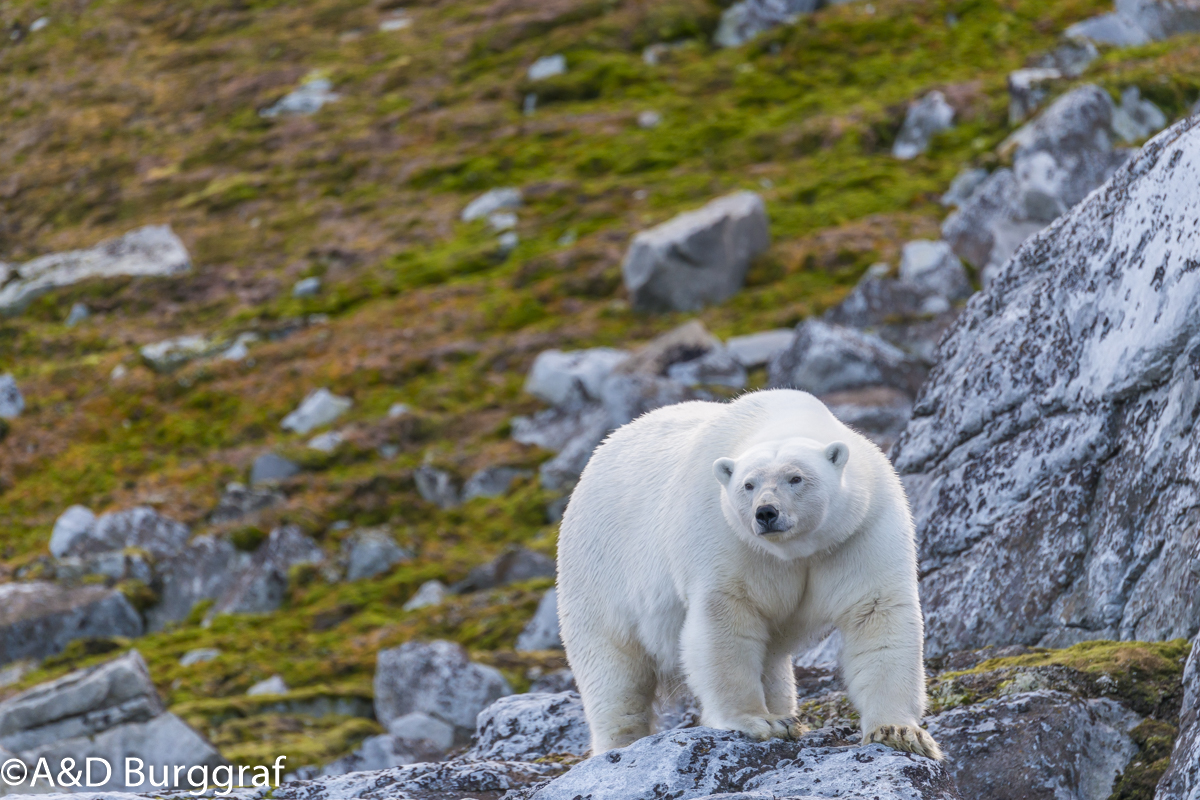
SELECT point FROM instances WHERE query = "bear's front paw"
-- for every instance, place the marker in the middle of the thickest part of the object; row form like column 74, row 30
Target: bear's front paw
column 909, row 738
column 774, row 727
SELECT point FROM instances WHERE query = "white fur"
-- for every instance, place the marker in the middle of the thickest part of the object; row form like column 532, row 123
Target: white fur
column 662, row 573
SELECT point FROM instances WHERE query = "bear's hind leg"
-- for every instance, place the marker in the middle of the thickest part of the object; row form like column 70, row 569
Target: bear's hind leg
column 618, row 689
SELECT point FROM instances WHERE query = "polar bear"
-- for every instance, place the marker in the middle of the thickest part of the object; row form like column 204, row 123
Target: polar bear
column 709, row 541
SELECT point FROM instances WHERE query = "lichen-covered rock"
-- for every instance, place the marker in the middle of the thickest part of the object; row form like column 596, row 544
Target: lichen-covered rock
column 204, row 570
column 526, row 727
column 699, row 257
column 1041, row 744
column 904, row 314
column 38, row 618
column 1053, row 458
column 1182, row 778
column 152, row 250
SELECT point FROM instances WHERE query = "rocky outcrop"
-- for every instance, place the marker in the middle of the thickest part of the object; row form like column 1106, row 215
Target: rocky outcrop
column 110, row 711
column 1137, row 22
column 152, row 250
column 699, row 257
column 1182, row 778
column 527, row 727
column 1053, row 459
column 39, row 618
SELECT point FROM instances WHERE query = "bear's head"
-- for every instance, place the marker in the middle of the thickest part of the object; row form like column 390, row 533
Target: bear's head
column 778, row 496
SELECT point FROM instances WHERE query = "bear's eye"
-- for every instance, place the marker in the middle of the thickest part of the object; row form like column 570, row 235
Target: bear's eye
column 749, row 487
column 795, row 479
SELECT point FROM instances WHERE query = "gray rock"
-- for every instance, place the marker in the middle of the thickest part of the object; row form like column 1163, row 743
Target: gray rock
column 699, row 257
column 152, row 250
column 757, row 349
column 512, row 566
column 260, row 586
column 39, row 619
column 490, row 202
column 307, row 287
column 1182, row 778
column 170, row 354
column 716, row 368
column 547, row 67
column 561, row 378
column 555, row 428
column 828, row 358
column 1139, row 21
column 271, row 468
column 627, row 396
column 15, row 672
column 318, row 409
column 450, row 779
column 431, row 593
column 205, row 570
column 925, row 119
column 701, row 762
column 649, row 119
column 1136, row 118
column 309, row 98
column 199, row 656
column 1027, row 90
column 903, row 314
column 79, row 312
column 963, row 186
column 1036, row 744
column 272, row 685
column 932, row 266
column 371, row 552
column 560, row 680
column 238, row 502
column 115, row 565
column 744, row 20
column 879, row 412
column 542, row 631
column 492, row 482
column 11, row 401
column 1052, row 455
column 420, row 727
column 71, row 530
column 526, row 727
column 1071, row 58
column 435, row 678
column 436, row 486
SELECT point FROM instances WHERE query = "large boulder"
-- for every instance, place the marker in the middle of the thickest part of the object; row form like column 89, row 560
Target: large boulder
column 438, row 679
column 561, row 378
column 699, row 257
column 76, row 533
column 38, row 619
column 1182, row 778
column 1137, row 22
column 110, row 711
column 152, row 250
column 828, row 358
column 526, row 727
column 204, row 570
column 1053, row 459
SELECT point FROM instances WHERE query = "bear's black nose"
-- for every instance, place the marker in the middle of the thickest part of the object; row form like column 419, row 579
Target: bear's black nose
column 765, row 516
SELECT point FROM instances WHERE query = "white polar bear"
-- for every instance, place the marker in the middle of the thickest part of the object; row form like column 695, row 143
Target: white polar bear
column 665, row 571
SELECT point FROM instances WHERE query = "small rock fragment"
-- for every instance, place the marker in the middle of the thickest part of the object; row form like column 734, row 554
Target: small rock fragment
column 270, row 468
column 490, row 202
column 542, row 631
column 11, row 401
column 431, row 593
column 199, row 656
column 925, row 118
column 308, row 99
column 272, row 685
column 307, row 287
column 318, row 408
column 436, row 486
column 547, row 67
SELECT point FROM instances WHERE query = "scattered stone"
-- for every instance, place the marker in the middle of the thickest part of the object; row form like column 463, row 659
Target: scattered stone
column 325, row 442
column 1182, row 778
column 526, row 727
column 1027, row 89
column 272, row 685
column 557, row 428
column 518, row 564
column 79, row 312
column 932, row 266
column 154, row 250
column 436, row 486
column 697, row 258
column 828, row 358
column 492, row 482
column 561, row 378
column 305, row 100
column 1071, row 390
column 271, row 468
column 542, row 631
column 490, row 202
column 431, row 593
column 627, row 396
column 200, row 655
column 170, row 354
column 14, row 672
column 109, row 711
column 1042, row 743
column 547, row 67
column 1135, row 118
column 1137, row 22
column 744, row 20
column 307, row 287
column 757, row 349
column 502, row 221
column 396, row 22
column 78, row 532
column 318, row 409
column 38, row 24
column 435, row 678
column 38, row 618
column 926, row 118
column 260, row 587
column 11, row 401
column 396, row 410
column 371, row 552
column 423, row 737
column 1071, row 58
column 963, row 186
column 649, row 119
column 238, row 502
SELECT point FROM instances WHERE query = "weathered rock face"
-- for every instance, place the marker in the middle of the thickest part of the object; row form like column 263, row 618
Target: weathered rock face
column 1182, row 779
column 204, row 570
column 697, row 258
column 110, row 711
column 38, row 619
column 526, row 727
column 1042, row 744
column 261, row 585
column 152, row 250
column 1053, row 459
column 902, row 313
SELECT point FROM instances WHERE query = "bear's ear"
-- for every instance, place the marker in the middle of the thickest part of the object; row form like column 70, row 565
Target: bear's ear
column 723, row 469
column 838, row 454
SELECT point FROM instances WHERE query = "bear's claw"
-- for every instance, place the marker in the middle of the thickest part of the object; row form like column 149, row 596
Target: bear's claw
column 909, row 738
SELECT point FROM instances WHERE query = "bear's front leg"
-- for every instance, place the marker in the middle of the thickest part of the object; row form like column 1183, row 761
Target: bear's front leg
column 724, row 647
